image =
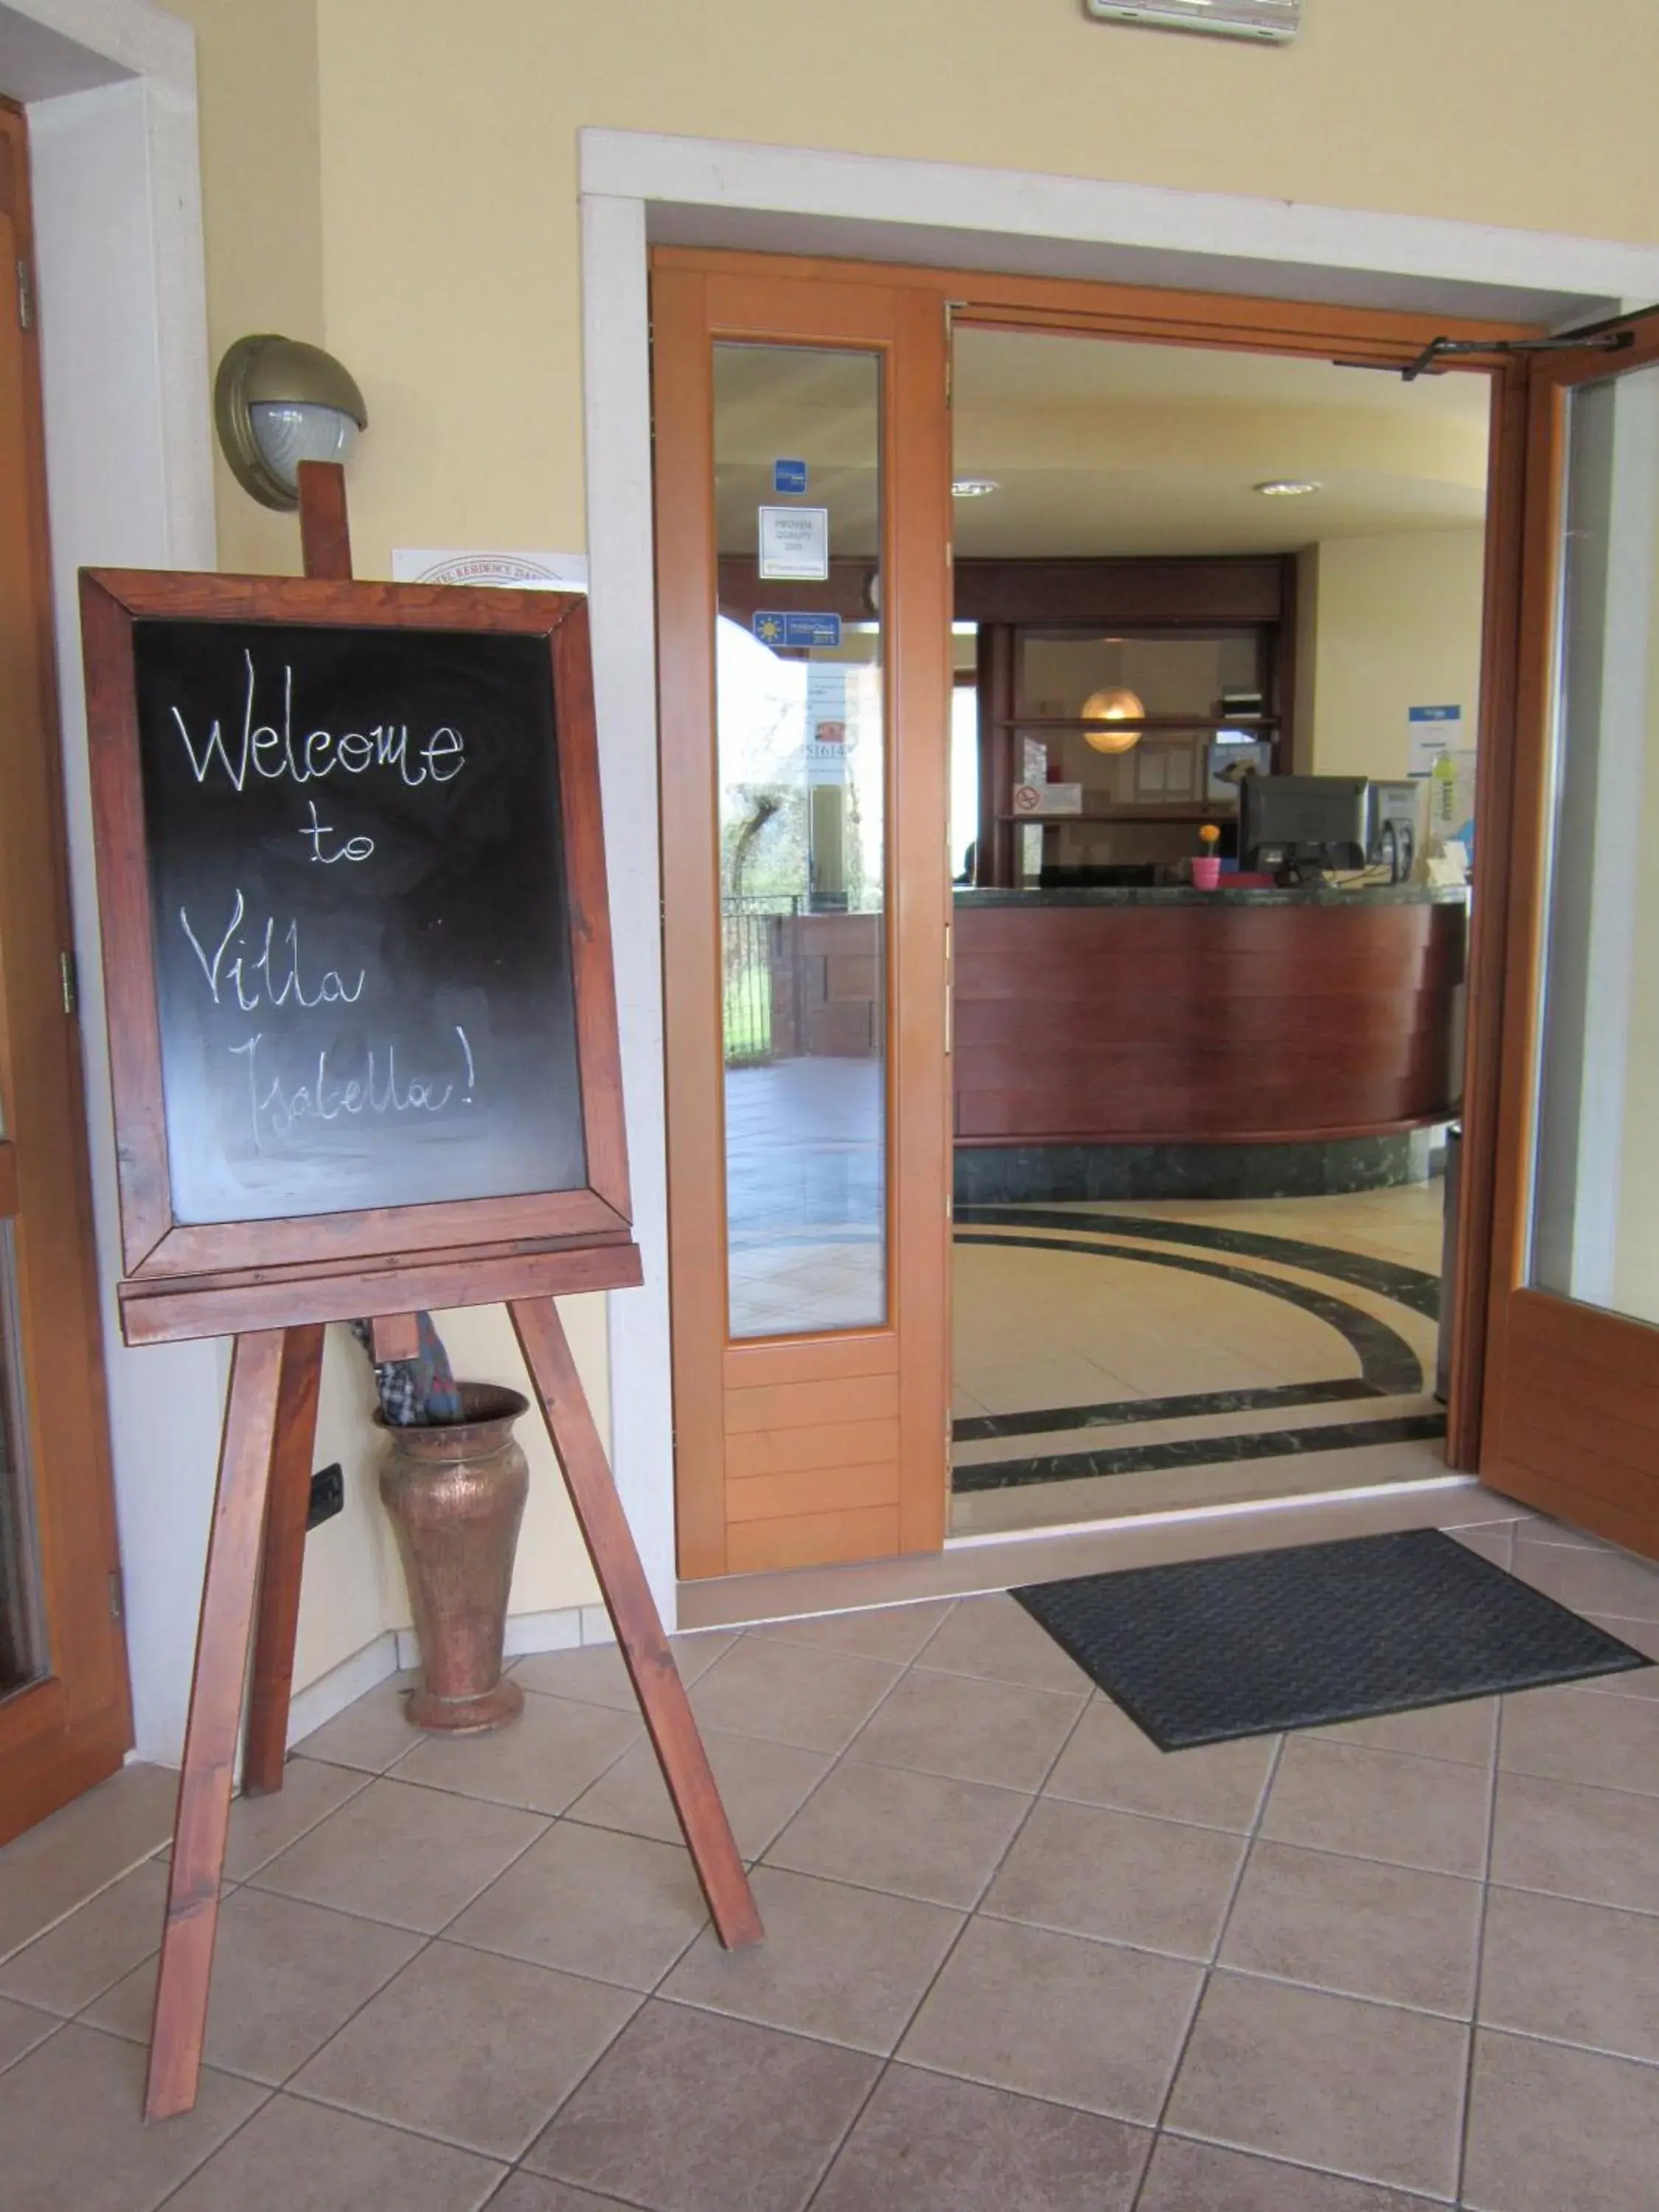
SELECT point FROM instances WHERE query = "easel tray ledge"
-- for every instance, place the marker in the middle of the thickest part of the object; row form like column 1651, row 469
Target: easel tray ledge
column 161, row 1312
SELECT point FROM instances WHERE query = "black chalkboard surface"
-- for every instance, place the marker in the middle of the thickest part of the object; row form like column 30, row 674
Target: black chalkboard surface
column 361, row 943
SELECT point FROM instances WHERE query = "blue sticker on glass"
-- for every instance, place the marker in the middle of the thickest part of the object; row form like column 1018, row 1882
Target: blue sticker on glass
column 788, row 476
column 796, row 633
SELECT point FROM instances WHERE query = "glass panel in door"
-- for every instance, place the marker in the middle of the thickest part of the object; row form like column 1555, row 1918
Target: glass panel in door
column 801, row 769
column 1596, row 1165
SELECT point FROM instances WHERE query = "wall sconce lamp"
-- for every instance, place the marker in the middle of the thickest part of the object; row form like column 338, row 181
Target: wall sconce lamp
column 276, row 402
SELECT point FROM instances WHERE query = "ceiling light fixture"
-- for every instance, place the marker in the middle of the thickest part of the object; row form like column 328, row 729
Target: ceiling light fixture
column 974, row 487
column 1115, row 705
column 1286, row 488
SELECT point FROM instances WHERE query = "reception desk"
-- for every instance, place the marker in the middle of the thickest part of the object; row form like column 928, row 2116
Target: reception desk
column 1129, row 1040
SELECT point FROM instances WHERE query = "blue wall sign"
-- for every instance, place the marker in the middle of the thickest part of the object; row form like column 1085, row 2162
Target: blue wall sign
column 788, row 476
column 796, row 632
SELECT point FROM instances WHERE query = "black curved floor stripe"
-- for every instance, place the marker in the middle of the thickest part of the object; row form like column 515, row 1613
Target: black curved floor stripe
column 1386, row 1360
column 1186, row 1406
column 1391, row 1278
column 1196, row 1451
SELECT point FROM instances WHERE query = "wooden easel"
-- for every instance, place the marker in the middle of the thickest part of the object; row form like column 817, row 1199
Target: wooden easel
column 255, row 1554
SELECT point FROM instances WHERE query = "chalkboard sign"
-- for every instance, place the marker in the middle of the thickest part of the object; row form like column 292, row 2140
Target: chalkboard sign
column 357, row 953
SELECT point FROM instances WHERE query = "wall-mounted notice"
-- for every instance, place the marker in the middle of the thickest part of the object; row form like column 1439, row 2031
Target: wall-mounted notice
column 355, row 946
column 794, row 544
column 1434, row 732
column 524, row 572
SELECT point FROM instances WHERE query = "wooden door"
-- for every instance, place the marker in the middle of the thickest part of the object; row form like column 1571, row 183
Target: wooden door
column 64, row 1719
column 805, row 726
column 1571, row 1394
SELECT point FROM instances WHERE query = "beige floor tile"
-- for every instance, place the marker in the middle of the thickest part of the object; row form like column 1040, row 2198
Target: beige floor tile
column 1556, row 2131
column 761, row 1785
column 1568, row 1736
column 1466, row 1732
column 595, row 1672
column 1358, row 1927
column 998, row 1640
column 927, row 2144
column 261, row 1826
column 1642, row 1635
column 995, row 1732
column 1190, row 2177
column 1089, row 1871
column 1575, row 1973
column 616, row 1907
column 1589, row 1580
column 59, row 1865
column 533, row 2192
column 72, row 2138
column 371, row 1735
column 688, row 2112
column 1364, row 2090
column 1494, row 1542
column 1053, row 2016
column 887, row 1827
column 1602, row 1846
column 477, row 2049
column 815, row 1700
column 1109, row 1762
column 294, row 2156
column 893, row 1632
column 20, row 2028
column 285, row 1976
column 411, row 1856
column 1377, row 1805
column 850, row 1965
column 76, row 1961
column 552, row 1753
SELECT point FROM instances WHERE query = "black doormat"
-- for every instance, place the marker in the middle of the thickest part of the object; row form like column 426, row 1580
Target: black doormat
column 1216, row 1649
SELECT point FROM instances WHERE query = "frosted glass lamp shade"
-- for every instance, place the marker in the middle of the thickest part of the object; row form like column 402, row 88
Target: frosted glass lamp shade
column 287, row 432
column 1115, row 705
column 277, row 402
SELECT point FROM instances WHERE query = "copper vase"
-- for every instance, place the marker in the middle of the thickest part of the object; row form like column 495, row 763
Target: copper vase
column 456, row 1496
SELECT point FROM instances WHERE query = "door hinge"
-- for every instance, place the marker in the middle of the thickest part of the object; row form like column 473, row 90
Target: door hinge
column 117, row 1611
column 70, row 982
column 25, row 296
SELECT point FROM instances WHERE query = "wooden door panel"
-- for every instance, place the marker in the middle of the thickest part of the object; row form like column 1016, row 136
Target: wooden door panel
column 69, row 1727
column 1571, row 1408
column 803, row 1449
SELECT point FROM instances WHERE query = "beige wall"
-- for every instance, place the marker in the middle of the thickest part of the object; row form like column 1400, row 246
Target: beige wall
column 396, row 179
column 1397, row 624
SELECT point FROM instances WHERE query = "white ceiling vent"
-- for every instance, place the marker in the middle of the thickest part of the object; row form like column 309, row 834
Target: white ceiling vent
column 1233, row 19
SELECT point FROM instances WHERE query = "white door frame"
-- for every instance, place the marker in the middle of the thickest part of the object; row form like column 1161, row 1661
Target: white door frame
column 640, row 188
column 109, row 90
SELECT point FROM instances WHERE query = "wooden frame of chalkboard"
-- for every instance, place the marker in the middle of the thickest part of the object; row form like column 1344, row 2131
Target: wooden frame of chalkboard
column 199, row 1271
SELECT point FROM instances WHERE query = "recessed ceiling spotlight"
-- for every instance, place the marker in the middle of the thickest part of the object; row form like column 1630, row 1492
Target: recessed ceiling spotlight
column 1284, row 488
column 974, row 487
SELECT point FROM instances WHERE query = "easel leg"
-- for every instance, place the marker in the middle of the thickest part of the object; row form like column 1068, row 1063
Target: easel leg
column 633, row 1612
column 216, row 1706
column 282, row 1561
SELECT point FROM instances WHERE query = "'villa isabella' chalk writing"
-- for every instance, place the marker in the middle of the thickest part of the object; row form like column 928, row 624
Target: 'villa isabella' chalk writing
column 271, row 753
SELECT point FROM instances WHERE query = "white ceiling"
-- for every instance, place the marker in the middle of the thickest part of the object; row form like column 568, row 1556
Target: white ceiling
column 1100, row 448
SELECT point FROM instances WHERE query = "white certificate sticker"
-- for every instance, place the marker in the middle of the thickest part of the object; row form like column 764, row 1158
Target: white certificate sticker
column 794, row 543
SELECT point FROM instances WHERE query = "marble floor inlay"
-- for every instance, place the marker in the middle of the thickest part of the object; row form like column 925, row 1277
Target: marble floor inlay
column 1162, row 1353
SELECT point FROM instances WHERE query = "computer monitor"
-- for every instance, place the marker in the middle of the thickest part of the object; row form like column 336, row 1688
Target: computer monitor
column 1295, row 826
